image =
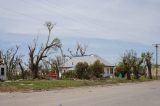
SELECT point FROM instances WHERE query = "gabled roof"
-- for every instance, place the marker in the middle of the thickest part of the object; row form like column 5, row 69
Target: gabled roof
column 90, row 59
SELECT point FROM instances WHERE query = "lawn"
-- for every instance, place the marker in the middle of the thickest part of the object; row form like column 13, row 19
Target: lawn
column 36, row 85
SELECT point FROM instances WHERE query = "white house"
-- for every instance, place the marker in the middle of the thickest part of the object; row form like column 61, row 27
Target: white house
column 3, row 71
column 90, row 59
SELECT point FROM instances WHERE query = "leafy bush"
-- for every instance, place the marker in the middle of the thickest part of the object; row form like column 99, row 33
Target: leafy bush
column 69, row 74
column 85, row 71
column 97, row 69
column 82, row 70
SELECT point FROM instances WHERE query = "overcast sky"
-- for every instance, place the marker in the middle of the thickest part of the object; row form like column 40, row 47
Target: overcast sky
column 108, row 27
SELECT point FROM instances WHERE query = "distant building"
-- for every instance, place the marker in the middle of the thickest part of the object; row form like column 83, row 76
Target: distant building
column 154, row 70
column 3, row 74
column 3, row 70
column 70, row 64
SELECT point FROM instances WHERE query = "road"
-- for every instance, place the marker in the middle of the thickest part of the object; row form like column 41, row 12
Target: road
column 130, row 94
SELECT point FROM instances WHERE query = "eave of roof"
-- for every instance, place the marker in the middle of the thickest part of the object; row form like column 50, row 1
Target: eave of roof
column 89, row 59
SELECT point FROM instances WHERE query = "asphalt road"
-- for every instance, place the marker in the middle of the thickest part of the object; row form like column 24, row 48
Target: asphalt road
column 131, row 94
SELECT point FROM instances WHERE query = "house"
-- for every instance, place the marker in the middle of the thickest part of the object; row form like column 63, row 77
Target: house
column 3, row 74
column 90, row 59
column 3, row 71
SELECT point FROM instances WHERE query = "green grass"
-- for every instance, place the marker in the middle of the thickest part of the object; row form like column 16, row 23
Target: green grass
column 28, row 85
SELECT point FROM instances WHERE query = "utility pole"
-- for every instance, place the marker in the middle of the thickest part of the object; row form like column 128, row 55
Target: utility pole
column 156, row 46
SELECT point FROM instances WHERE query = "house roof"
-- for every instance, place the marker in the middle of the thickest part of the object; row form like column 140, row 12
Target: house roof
column 90, row 59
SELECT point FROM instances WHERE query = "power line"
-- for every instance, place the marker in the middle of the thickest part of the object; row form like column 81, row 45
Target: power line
column 47, row 3
column 19, row 13
column 44, row 7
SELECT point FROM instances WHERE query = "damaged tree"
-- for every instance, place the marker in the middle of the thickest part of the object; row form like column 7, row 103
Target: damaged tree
column 147, row 59
column 11, row 60
column 80, row 50
column 129, row 60
column 36, row 57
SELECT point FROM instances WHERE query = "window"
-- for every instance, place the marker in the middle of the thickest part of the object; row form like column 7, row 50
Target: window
column 111, row 70
column 2, row 71
column 107, row 71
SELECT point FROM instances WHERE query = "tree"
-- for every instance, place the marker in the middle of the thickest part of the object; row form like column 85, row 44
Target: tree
column 56, row 64
column 85, row 71
column 80, row 50
column 132, row 64
column 11, row 59
column 52, row 64
column 22, row 69
column 129, row 60
column 137, row 67
column 147, row 59
column 120, row 70
column 45, row 49
column 98, row 69
column 82, row 70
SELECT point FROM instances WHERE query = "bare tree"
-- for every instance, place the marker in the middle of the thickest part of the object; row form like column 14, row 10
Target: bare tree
column 11, row 60
column 137, row 67
column 80, row 50
column 45, row 49
column 147, row 59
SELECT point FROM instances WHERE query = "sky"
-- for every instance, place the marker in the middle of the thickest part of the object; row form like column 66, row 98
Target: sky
column 108, row 27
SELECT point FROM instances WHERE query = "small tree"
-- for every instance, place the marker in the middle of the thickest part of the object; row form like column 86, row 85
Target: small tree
column 85, row 71
column 129, row 60
column 11, row 59
column 120, row 70
column 82, row 70
column 147, row 59
column 56, row 64
column 137, row 67
column 97, row 69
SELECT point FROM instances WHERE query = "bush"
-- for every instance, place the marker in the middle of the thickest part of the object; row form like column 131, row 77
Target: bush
column 97, row 69
column 85, row 71
column 82, row 70
column 69, row 75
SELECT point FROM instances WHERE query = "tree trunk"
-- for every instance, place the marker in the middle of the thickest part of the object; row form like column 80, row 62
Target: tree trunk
column 149, row 71
column 136, row 73
column 22, row 70
column 35, row 72
column 128, row 75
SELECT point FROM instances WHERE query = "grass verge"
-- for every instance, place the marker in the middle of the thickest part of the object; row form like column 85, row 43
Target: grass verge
column 36, row 85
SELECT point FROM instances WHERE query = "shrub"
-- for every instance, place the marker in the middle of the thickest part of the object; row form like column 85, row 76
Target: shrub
column 82, row 70
column 69, row 74
column 85, row 71
column 97, row 69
